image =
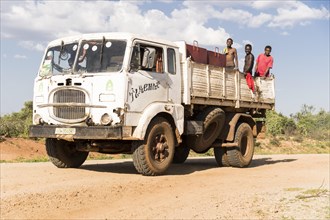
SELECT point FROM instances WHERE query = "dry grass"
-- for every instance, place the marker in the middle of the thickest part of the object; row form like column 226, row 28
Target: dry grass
column 291, row 145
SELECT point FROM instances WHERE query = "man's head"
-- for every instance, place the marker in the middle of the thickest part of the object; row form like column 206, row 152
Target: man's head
column 268, row 49
column 229, row 42
column 248, row 48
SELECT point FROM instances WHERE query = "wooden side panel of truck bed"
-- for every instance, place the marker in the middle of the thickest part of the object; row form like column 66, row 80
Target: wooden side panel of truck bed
column 211, row 85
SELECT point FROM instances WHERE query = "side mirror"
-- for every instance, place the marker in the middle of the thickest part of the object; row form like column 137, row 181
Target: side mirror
column 149, row 56
column 135, row 59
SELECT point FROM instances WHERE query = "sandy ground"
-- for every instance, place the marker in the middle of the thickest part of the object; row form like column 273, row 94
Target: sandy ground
column 21, row 148
column 273, row 187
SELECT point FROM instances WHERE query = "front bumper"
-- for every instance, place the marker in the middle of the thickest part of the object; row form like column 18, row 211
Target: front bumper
column 80, row 133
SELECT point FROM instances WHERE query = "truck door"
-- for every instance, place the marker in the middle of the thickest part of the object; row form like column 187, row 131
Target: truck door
column 172, row 69
column 148, row 82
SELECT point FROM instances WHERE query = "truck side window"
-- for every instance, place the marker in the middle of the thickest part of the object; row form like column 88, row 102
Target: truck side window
column 171, row 60
column 151, row 58
column 159, row 60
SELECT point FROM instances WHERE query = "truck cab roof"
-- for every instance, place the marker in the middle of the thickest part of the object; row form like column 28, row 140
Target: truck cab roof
column 112, row 35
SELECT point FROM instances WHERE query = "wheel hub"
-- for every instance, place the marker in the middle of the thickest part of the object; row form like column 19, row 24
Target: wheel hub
column 160, row 149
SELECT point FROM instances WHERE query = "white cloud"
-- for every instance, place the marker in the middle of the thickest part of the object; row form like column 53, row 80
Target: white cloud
column 272, row 4
column 36, row 22
column 243, row 17
column 47, row 20
column 259, row 20
column 299, row 13
column 19, row 56
column 278, row 14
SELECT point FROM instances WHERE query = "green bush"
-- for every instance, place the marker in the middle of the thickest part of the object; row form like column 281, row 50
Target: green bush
column 17, row 124
column 315, row 126
column 302, row 124
column 277, row 124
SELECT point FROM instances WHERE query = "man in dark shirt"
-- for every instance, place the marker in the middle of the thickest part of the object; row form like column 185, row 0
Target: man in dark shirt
column 248, row 66
column 249, row 60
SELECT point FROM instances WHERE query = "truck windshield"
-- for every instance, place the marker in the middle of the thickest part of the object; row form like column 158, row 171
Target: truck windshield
column 59, row 59
column 94, row 56
column 101, row 56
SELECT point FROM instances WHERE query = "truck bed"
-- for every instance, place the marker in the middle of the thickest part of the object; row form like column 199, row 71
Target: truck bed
column 206, row 84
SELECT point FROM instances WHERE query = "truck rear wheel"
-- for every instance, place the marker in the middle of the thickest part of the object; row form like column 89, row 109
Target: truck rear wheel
column 220, row 154
column 214, row 120
column 156, row 155
column 181, row 153
column 241, row 156
column 64, row 154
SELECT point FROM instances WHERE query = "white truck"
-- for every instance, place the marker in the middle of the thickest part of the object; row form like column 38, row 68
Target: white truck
column 155, row 99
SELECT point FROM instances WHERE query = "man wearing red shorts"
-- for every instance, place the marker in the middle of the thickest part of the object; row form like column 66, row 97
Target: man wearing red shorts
column 248, row 66
column 264, row 63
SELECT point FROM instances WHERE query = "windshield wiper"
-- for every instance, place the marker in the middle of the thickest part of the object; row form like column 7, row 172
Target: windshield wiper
column 61, row 50
column 102, row 47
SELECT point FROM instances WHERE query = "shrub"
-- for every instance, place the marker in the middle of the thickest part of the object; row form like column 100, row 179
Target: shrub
column 278, row 124
column 315, row 126
column 300, row 125
column 17, row 124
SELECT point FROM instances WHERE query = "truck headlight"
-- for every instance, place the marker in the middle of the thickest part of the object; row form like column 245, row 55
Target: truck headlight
column 106, row 119
column 107, row 97
column 38, row 120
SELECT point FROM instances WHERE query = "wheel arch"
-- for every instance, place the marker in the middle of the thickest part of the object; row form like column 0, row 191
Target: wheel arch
column 237, row 119
column 174, row 114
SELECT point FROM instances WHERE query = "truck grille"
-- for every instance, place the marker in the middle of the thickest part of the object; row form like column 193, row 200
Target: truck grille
column 69, row 96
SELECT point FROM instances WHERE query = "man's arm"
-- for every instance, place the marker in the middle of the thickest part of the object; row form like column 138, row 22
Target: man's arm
column 236, row 58
column 269, row 66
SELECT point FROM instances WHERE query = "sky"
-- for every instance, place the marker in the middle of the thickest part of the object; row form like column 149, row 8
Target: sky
column 298, row 32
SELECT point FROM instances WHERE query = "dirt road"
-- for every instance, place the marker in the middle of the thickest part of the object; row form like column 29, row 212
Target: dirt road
column 273, row 187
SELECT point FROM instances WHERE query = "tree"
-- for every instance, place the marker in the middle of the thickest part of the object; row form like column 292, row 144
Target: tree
column 17, row 124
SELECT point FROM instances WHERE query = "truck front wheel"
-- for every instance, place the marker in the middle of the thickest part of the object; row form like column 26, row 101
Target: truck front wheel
column 156, row 154
column 241, row 156
column 64, row 154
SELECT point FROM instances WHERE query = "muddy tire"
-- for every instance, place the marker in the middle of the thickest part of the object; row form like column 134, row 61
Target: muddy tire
column 241, row 156
column 64, row 154
column 181, row 153
column 220, row 154
column 135, row 155
column 156, row 154
column 214, row 120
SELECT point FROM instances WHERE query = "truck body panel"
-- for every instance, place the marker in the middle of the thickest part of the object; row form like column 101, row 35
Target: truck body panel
column 212, row 85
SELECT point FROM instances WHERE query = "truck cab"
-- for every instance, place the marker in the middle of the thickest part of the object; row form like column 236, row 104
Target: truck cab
column 105, row 80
